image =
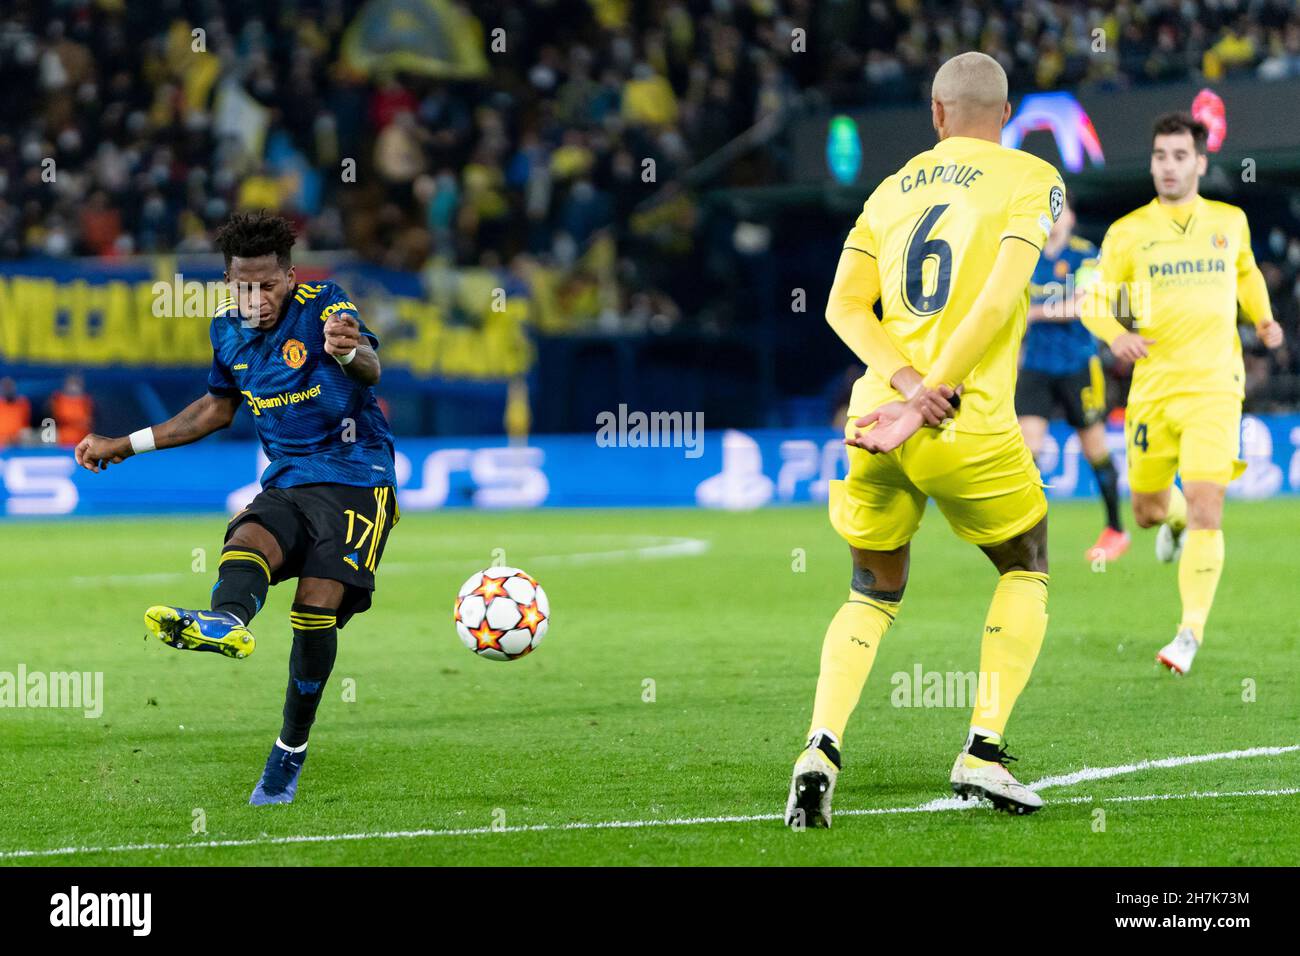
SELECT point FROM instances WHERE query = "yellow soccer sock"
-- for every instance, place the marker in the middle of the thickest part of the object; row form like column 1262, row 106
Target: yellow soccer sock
column 1198, row 577
column 848, row 652
column 1013, row 634
column 1176, row 516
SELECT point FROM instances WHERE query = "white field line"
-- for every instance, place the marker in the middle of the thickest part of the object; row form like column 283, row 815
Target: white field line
column 654, row 548
column 931, row 806
column 956, row 803
column 663, row 548
column 1101, row 773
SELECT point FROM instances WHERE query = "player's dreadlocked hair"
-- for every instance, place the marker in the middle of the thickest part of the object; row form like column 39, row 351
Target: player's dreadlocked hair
column 1182, row 123
column 251, row 234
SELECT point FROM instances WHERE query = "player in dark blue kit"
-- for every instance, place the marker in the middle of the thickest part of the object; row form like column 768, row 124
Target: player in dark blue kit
column 298, row 356
column 1061, row 369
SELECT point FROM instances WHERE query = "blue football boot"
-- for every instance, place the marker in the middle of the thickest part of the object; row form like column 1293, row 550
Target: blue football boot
column 279, row 778
column 217, row 631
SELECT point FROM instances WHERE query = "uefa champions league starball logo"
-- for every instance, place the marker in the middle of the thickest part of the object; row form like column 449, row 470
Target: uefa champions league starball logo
column 1057, row 200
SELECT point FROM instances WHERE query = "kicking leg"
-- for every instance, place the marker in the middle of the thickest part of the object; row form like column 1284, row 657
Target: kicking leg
column 315, row 645
column 848, row 651
column 1013, row 636
column 248, row 559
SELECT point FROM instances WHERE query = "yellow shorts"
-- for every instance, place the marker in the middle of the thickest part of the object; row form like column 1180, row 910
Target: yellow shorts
column 987, row 486
column 1195, row 435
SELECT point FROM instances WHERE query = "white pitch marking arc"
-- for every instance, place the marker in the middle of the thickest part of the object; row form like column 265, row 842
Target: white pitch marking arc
column 932, row 806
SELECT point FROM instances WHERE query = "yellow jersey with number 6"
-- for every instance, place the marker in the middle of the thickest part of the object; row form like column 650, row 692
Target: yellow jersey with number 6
column 935, row 228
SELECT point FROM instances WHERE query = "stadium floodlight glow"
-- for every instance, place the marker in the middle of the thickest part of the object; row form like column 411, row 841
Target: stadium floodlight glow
column 843, row 149
column 1065, row 119
column 1209, row 109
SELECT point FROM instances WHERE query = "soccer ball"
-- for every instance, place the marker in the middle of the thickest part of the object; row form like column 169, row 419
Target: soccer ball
column 502, row 614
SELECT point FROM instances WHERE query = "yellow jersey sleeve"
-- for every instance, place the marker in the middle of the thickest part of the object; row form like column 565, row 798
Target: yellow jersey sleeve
column 1035, row 205
column 1252, row 289
column 849, row 311
column 1114, row 261
column 1114, row 271
column 1245, row 254
column 860, row 237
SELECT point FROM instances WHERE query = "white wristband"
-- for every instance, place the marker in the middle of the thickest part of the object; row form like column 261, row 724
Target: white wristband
column 347, row 357
column 142, row 441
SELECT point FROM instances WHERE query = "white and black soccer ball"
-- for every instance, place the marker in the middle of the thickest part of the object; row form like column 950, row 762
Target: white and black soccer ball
column 502, row 614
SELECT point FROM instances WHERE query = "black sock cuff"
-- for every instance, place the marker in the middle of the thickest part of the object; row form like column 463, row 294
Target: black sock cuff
column 309, row 618
column 827, row 747
column 983, row 748
column 237, row 554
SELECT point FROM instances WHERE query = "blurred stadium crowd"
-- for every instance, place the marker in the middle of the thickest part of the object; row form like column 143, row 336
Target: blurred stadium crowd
column 535, row 153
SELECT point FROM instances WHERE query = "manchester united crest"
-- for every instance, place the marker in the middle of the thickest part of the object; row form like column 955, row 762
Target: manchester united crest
column 294, row 353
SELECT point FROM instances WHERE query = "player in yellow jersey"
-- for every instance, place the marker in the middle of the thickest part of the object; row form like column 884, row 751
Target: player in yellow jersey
column 947, row 244
column 1185, row 264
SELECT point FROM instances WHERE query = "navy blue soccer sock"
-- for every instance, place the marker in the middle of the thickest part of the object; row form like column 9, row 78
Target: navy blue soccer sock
column 315, row 645
column 242, row 582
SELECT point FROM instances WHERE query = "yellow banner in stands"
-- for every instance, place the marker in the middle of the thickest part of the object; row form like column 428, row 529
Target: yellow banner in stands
column 151, row 324
column 427, row 37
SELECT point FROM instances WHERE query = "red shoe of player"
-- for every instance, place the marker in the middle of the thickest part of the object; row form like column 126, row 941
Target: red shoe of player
column 1111, row 544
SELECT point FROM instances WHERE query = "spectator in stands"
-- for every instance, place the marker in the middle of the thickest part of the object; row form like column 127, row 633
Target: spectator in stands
column 15, row 413
column 541, row 159
column 72, row 409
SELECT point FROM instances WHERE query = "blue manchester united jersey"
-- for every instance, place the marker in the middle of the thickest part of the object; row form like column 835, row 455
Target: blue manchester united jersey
column 316, row 423
column 1059, row 348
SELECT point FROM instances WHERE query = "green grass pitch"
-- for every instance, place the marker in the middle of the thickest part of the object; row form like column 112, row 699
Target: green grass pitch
column 717, row 616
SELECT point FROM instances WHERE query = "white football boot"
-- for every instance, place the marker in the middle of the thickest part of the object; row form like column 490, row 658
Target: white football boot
column 1169, row 546
column 992, row 781
column 1178, row 654
column 812, row 785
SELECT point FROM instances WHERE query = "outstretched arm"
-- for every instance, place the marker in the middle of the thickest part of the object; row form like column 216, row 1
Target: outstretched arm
column 200, row 418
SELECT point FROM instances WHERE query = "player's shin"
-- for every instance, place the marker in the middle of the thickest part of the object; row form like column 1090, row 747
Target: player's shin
column 1176, row 514
column 1013, row 635
column 242, row 582
column 315, row 644
column 1199, row 570
column 848, row 652
column 1108, row 482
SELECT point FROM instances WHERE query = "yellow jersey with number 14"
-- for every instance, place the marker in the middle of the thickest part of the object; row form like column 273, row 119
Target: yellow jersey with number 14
column 935, row 228
column 1181, row 266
